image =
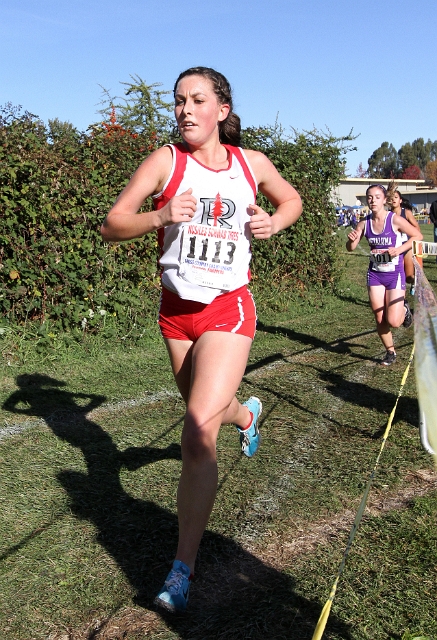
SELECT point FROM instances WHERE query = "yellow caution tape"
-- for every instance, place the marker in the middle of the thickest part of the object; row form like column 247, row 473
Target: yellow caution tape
column 321, row 624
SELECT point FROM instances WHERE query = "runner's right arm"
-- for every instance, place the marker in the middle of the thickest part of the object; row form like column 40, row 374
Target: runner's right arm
column 123, row 221
column 355, row 236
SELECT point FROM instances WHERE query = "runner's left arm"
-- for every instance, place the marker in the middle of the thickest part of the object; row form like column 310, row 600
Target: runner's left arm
column 280, row 194
column 400, row 224
column 411, row 219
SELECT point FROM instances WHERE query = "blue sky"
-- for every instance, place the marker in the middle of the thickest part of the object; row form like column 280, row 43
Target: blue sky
column 338, row 65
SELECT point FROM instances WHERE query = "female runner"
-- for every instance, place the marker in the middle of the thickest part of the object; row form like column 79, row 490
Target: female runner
column 204, row 191
column 403, row 208
column 385, row 276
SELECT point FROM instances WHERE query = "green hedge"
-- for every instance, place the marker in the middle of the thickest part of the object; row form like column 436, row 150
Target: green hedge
column 305, row 255
column 56, row 186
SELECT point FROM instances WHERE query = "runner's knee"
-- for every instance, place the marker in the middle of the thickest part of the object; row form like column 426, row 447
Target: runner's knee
column 199, row 437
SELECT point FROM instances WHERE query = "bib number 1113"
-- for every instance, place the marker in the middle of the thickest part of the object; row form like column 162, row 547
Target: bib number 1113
column 212, row 248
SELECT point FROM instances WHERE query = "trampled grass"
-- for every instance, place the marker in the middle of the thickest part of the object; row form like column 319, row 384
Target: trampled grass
column 90, row 460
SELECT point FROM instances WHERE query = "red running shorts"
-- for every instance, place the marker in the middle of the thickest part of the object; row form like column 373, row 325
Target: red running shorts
column 231, row 312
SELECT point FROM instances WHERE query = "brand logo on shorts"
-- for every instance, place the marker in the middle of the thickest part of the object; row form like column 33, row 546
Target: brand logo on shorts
column 217, row 211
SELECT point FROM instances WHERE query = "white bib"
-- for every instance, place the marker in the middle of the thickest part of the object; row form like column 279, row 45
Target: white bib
column 211, row 256
column 382, row 261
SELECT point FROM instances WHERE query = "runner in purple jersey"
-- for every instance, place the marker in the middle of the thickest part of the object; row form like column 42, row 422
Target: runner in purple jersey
column 385, row 275
column 403, row 208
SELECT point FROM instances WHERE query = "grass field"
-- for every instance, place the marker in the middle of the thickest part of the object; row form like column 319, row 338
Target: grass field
column 90, row 460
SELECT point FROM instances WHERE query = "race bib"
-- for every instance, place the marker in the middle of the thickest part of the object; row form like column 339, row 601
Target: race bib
column 382, row 261
column 211, row 256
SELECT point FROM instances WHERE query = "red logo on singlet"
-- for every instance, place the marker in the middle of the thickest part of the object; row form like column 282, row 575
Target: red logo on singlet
column 217, row 211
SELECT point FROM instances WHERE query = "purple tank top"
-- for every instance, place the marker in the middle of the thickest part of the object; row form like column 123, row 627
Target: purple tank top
column 380, row 242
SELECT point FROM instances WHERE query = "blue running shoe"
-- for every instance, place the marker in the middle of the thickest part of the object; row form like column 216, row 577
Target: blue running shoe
column 250, row 438
column 174, row 594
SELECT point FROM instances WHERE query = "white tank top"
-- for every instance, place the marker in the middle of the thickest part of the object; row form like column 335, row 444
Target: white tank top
column 209, row 255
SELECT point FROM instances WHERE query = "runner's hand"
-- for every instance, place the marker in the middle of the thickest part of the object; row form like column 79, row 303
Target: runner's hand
column 179, row 209
column 260, row 222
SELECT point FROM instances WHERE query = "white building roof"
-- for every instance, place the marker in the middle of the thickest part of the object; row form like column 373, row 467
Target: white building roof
column 352, row 191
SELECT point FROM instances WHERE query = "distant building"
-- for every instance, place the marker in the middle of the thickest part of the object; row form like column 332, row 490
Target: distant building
column 352, row 192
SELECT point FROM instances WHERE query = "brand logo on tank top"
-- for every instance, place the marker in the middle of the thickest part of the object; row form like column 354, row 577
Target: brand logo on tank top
column 217, row 211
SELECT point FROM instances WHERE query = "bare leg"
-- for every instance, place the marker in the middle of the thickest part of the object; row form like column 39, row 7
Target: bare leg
column 180, row 352
column 394, row 307
column 386, row 336
column 377, row 302
column 237, row 413
column 388, row 308
column 409, row 267
column 216, row 363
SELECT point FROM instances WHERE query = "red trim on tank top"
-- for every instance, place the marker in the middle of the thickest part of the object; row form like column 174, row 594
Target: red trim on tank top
column 180, row 162
column 184, row 151
column 247, row 173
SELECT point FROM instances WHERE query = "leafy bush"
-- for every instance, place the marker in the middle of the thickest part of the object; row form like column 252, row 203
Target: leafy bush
column 305, row 255
column 54, row 197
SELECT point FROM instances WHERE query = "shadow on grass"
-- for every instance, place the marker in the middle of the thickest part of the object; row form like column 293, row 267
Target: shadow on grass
column 234, row 595
column 337, row 385
column 370, row 398
column 340, row 345
column 383, row 401
column 350, row 299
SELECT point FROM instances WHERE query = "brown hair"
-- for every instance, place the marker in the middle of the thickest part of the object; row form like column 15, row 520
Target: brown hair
column 229, row 129
column 392, row 188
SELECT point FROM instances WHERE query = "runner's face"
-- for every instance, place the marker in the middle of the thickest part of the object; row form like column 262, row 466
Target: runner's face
column 197, row 110
column 376, row 199
column 396, row 200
